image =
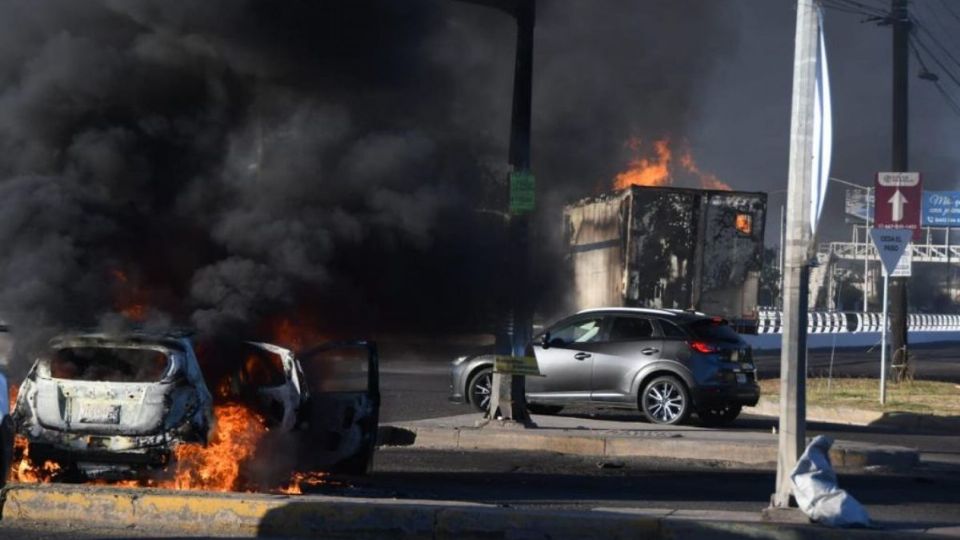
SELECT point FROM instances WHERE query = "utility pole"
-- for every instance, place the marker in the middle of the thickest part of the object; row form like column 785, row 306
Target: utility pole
column 793, row 352
column 508, row 392
column 900, row 20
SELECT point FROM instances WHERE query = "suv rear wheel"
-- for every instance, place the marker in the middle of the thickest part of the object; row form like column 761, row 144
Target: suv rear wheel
column 665, row 400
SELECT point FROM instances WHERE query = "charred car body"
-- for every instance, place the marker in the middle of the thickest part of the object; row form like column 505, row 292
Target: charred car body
column 327, row 397
column 109, row 404
column 118, row 405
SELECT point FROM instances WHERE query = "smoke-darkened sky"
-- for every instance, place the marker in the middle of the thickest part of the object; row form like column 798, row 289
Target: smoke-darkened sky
column 227, row 162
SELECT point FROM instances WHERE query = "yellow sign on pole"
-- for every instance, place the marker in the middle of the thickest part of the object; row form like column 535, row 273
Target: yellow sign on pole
column 516, row 365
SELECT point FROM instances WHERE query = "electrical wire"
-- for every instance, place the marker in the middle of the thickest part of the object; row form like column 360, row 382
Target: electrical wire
column 943, row 92
column 950, row 10
column 867, row 7
column 917, row 23
column 846, row 9
column 917, row 41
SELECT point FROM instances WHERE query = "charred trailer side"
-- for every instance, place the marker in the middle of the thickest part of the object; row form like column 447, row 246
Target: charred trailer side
column 671, row 248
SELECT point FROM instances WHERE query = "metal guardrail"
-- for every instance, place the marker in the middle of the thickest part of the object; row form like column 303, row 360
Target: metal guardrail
column 832, row 322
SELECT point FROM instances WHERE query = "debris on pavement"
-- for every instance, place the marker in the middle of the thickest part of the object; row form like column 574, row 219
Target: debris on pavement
column 816, row 491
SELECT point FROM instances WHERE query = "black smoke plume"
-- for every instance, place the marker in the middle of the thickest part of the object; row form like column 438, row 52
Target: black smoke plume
column 220, row 163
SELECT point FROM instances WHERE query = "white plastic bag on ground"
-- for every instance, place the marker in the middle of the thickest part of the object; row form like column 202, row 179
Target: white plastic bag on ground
column 816, row 491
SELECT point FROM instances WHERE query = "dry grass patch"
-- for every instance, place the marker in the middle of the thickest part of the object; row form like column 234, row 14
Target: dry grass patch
column 923, row 397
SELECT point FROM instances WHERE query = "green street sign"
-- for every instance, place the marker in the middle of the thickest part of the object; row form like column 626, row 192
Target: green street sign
column 522, row 192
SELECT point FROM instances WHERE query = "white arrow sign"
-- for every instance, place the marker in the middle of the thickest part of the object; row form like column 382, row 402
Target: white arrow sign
column 896, row 206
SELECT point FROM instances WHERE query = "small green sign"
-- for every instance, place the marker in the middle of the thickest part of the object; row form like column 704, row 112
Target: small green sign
column 522, row 192
column 516, row 365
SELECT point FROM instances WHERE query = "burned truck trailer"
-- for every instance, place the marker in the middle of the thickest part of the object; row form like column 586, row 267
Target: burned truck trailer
column 665, row 247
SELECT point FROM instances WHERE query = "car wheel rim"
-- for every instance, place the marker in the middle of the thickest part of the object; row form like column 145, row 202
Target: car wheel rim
column 664, row 402
column 481, row 390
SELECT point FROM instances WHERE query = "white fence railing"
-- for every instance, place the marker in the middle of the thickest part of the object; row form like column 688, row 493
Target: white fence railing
column 821, row 322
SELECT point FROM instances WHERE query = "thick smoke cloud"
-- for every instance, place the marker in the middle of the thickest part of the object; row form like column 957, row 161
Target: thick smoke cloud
column 226, row 162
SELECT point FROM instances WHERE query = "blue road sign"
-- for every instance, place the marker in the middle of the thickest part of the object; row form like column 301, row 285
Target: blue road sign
column 891, row 243
column 941, row 209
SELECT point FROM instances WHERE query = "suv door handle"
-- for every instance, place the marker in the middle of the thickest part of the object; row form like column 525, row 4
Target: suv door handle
column 649, row 350
column 581, row 355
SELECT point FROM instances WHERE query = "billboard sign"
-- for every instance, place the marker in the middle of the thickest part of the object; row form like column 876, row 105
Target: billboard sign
column 858, row 205
column 941, row 209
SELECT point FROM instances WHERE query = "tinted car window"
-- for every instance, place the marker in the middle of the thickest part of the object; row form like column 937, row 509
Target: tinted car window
column 630, row 329
column 714, row 329
column 579, row 331
column 108, row 364
column 671, row 330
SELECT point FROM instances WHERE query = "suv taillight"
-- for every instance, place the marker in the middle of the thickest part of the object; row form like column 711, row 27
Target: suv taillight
column 702, row 347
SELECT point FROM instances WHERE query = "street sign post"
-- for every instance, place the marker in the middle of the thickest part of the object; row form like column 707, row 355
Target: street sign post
column 891, row 244
column 898, row 198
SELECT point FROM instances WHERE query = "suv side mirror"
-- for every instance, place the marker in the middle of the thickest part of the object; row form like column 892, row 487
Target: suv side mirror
column 545, row 340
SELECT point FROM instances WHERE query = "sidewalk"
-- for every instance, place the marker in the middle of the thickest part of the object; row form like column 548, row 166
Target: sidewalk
column 593, row 437
column 243, row 515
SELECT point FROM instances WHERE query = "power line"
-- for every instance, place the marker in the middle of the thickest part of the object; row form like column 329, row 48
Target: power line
column 915, row 39
column 946, row 51
column 868, row 7
column 943, row 92
column 950, row 10
column 846, row 9
column 937, row 19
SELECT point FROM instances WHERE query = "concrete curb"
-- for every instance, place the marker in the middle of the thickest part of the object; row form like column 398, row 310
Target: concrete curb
column 310, row 516
column 903, row 421
column 844, row 454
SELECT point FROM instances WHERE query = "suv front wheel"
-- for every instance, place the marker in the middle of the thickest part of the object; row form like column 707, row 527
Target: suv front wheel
column 665, row 400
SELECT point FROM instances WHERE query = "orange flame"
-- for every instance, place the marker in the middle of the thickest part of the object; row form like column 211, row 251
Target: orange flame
column 217, row 466
column 300, row 479
column 660, row 169
column 295, row 336
column 131, row 301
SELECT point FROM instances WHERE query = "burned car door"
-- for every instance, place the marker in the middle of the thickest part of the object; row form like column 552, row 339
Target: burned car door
column 339, row 420
column 269, row 379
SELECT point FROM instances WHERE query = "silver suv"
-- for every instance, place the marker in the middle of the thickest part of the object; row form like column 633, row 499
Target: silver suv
column 666, row 363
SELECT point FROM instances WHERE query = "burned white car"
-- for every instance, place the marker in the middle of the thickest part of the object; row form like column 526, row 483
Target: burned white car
column 113, row 404
column 327, row 397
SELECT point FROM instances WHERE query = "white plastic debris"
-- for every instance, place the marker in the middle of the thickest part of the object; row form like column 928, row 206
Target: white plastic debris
column 816, row 491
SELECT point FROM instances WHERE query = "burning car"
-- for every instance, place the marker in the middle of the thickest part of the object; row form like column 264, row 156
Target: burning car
column 119, row 406
column 112, row 404
column 322, row 404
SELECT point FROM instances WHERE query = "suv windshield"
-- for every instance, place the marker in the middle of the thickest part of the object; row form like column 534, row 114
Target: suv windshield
column 108, row 364
column 714, row 330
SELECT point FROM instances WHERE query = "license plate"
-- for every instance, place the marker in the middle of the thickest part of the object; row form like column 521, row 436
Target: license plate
column 741, row 378
column 734, row 356
column 99, row 413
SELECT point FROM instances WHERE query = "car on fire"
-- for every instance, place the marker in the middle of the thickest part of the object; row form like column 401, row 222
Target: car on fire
column 328, row 395
column 117, row 405
column 111, row 404
column 666, row 363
